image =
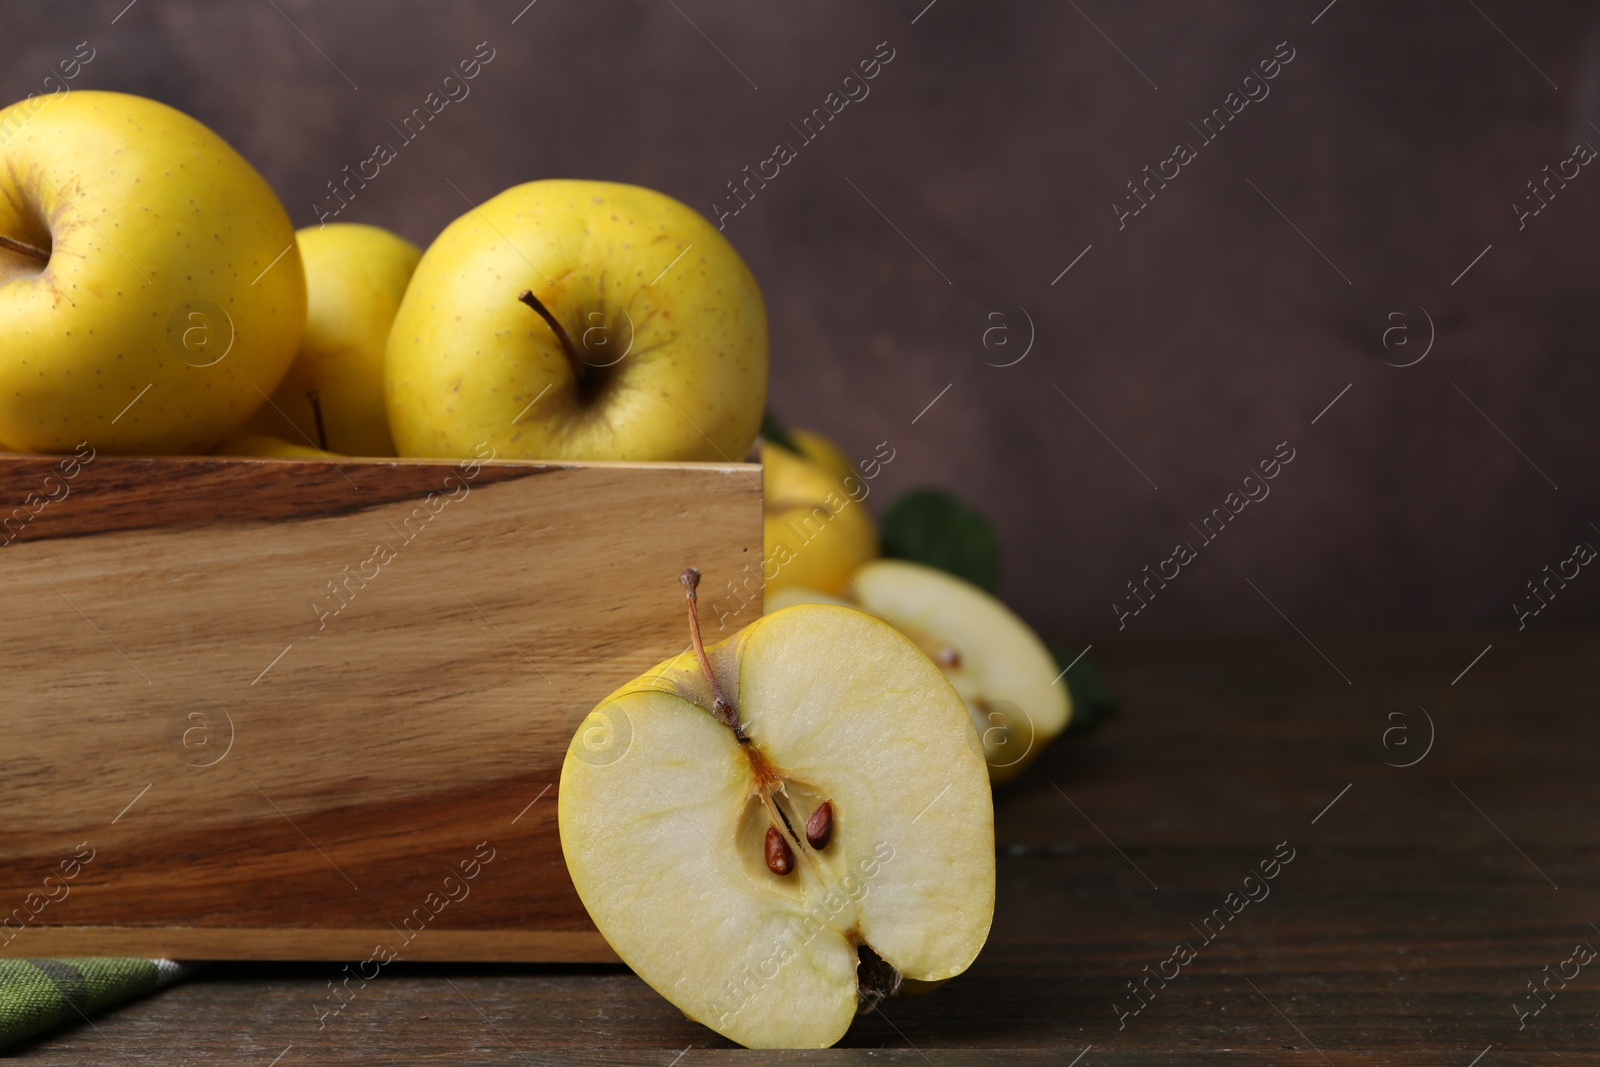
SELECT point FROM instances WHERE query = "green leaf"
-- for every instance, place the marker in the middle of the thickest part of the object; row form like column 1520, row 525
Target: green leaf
column 931, row 527
column 1092, row 702
column 774, row 431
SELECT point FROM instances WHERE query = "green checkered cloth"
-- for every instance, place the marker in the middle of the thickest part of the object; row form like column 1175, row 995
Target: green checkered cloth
column 39, row 995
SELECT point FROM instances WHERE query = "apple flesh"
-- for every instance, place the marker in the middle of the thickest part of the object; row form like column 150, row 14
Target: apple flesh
column 1005, row 675
column 669, row 816
column 651, row 343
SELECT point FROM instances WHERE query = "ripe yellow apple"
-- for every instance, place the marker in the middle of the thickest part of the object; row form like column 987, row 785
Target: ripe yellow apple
column 579, row 320
column 150, row 290
column 1003, row 672
column 824, row 453
column 746, row 824
column 333, row 393
column 815, row 534
column 260, row 444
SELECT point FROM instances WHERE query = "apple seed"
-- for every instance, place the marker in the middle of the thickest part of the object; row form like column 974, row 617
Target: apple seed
column 819, row 828
column 780, row 858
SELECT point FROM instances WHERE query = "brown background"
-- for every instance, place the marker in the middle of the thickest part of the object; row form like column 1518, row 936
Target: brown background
column 1197, row 338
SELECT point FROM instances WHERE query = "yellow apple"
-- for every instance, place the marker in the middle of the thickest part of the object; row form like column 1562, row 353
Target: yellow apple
column 824, row 453
column 333, row 393
column 150, row 291
column 750, row 826
column 1004, row 673
column 260, row 444
column 579, row 320
column 815, row 534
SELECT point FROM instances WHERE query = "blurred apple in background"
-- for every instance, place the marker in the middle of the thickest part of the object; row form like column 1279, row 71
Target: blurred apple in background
column 149, row 281
column 814, row 533
column 824, row 453
column 579, row 320
column 809, row 445
column 333, row 394
column 1004, row 674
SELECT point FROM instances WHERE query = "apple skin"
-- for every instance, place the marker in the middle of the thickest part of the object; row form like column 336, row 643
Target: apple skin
column 355, row 278
column 258, row 445
column 823, row 452
column 814, row 535
column 468, row 363
column 144, row 211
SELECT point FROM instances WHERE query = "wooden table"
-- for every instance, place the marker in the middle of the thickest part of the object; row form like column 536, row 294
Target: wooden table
column 1420, row 901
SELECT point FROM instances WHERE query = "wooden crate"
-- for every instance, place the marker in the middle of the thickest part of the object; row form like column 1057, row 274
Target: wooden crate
column 276, row 709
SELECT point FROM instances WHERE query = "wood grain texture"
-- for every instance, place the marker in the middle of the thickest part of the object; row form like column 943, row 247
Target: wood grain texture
column 1402, row 933
column 263, row 709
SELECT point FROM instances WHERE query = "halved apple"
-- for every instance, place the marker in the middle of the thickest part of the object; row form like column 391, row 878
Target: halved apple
column 764, row 860
column 1003, row 672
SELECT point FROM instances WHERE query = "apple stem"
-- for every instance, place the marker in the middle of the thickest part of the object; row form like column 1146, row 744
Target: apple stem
column 23, row 248
column 316, row 411
column 720, row 708
column 580, row 369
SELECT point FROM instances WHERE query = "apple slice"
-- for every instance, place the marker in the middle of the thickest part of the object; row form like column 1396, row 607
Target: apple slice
column 742, row 853
column 1003, row 672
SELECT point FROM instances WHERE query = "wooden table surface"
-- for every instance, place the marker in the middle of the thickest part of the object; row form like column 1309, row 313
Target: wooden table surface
column 1420, row 903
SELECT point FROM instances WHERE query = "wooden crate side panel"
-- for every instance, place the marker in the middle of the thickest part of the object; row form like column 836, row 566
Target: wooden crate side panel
column 209, row 735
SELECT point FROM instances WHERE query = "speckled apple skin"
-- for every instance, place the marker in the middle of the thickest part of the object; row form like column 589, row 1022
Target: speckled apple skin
column 174, row 298
column 468, row 363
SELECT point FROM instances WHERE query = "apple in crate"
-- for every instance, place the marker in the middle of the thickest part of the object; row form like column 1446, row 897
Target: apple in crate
column 332, row 397
column 774, row 829
column 824, row 452
column 579, row 320
column 815, row 533
column 260, row 445
column 150, row 292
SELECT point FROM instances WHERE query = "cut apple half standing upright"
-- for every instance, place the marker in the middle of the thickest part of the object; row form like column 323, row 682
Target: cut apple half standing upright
column 743, row 828
column 1003, row 672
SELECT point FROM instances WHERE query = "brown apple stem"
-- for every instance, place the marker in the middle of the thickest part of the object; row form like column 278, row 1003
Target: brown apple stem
column 721, row 710
column 580, row 369
column 316, row 411
column 23, row 248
